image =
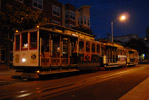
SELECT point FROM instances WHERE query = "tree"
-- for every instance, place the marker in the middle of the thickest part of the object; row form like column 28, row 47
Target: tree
column 84, row 29
column 19, row 17
column 137, row 44
column 108, row 34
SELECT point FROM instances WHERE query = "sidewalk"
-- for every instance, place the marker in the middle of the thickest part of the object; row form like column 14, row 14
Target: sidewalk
column 6, row 75
column 4, row 67
column 140, row 92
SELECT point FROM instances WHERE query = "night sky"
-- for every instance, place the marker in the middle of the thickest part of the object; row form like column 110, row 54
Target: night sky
column 103, row 11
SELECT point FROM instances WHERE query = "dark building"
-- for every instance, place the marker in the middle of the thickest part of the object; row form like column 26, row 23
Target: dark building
column 147, row 36
column 70, row 15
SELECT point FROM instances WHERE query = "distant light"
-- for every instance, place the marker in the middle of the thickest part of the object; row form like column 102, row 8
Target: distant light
column 38, row 71
column 143, row 55
column 17, row 31
column 23, row 60
column 23, row 95
column 37, row 26
column 25, row 45
column 58, row 49
column 145, row 38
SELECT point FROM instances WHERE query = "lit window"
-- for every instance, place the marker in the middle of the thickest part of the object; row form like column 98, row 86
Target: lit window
column 33, row 40
column 17, row 42
column 55, row 10
column 24, row 40
column 38, row 4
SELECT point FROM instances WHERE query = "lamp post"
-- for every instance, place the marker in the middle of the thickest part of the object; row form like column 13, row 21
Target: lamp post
column 112, row 29
column 121, row 18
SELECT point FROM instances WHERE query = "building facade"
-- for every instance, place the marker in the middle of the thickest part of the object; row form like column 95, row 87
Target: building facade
column 125, row 38
column 56, row 12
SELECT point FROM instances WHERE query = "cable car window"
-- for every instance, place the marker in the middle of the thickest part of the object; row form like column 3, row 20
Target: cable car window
column 93, row 47
column 87, row 46
column 33, row 40
column 81, row 45
column 98, row 48
column 17, row 42
column 65, row 47
column 24, row 40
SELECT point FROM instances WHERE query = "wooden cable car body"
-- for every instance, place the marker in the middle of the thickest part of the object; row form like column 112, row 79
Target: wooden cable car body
column 52, row 49
column 114, row 55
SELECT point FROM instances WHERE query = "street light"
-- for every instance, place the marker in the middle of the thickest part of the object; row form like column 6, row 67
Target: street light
column 121, row 18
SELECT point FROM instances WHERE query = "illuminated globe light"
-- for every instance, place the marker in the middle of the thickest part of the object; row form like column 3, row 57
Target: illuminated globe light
column 38, row 71
column 37, row 26
column 122, row 18
column 23, row 60
column 17, row 31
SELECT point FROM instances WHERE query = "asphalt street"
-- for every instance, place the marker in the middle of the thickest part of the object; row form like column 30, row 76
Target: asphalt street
column 101, row 85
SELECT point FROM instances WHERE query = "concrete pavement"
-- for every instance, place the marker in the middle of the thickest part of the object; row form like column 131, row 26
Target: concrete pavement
column 140, row 92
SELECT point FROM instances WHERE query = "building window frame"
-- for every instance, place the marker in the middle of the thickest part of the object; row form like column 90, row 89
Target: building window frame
column 88, row 21
column 78, row 20
column 37, row 3
column 84, row 19
column 2, row 55
column 56, row 22
column 71, row 26
column 72, row 15
column 67, row 14
column 56, row 11
column 81, row 20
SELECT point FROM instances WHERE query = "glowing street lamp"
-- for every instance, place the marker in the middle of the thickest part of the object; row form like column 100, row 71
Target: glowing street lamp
column 121, row 18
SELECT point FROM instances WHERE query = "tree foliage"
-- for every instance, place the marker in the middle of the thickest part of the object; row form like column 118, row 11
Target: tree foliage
column 19, row 17
column 137, row 44
column 84, row 29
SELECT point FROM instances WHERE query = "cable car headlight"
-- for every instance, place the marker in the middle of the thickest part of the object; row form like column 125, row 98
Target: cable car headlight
column 23, row 59
column 38, row 71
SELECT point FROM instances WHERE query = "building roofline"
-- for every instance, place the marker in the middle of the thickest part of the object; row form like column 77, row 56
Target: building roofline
column 126, row 35
column 87, row 6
